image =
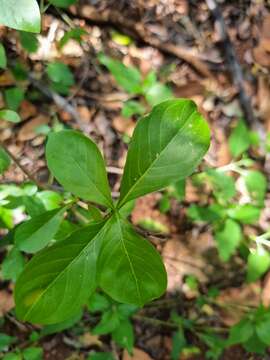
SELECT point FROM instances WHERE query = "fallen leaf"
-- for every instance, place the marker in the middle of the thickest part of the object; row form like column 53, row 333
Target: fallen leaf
column 137, row 355
column 28, row 131
column 6, row 302
column 124, row 126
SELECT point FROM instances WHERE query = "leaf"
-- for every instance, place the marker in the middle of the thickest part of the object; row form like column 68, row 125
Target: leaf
column 246, row 214
column 158, row 93
column 123, row 335
column 132, row 107
column 240, row 332
column 224, row 185
column 61, row 326
column 101, row 356
column 257, row 264
column 20, row 15
column 262, row 330
column 133, row 261
column 13, row 265
column 9, row 115
column 256, row 184
column 129, row 78
column 78, row 166
column 62, row 3
column 34, row 234
column 29, row 42
column 3, row 57
column 98, row 303
column 59, row 280
column 75, row 33
column 12, row 356
column 5, row 341
column 208, row 214
column 239, row 140
column 255, row 345
column 13, row 98
column 167, row 146
column 60, row 73
column 179, row 342
column 109, row 321
column 228, row 239
column 4, row 160
column 33, row 353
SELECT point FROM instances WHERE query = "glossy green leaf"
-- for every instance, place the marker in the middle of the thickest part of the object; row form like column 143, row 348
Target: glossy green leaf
column 129, row 78
column 59, row 280
column 228, row 239
column 4, row 160
column 167, row 145
column 20, row 15
column 245, row 214
column 258, row 263
column 36, row 233
column 239, row 140
column 5, row 341
column 78, row 166
column 13, row 265
column 98, row 303
column 3, row 57
column 109, row 321
column 9, row 115
column 62, row 3
column 133, row 261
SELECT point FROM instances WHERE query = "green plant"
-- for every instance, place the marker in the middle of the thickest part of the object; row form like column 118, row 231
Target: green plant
column 107, row 253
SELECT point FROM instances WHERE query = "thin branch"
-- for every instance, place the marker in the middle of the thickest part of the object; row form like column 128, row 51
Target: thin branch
column 23, row 168
column 232, row 61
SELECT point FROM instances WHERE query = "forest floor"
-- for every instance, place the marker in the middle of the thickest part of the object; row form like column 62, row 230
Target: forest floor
column 181, row 41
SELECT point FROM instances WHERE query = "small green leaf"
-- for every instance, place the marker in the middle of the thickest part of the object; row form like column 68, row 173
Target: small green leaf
column 258, row 263
column 245, row 214
column 6, row 341
column 62, row 3
column 78, row 166
column 9, row 115
column 158, row 93
column 13, row 98
column 101, row 356
column 178, row 344
column 33, row 353
column 129, row 78
column 29, row 42
column 58, row 280
column 256, row 184
column 153, row 226
column 262, row 330
column 228, row 239
column 34, row 234
column 123, row 335
column 224, row 185
column 167, row 145
column 20, row 15
column 132, row 107
column 240, row 332
column 98, row 303
column 4, row 160
column 75, row 34
column 61, row 77
column 239, row 140
column 255, row 345
column 208, row 214
column 3, row 57
column 109, row 322
column 133, row 261
column 13, row 265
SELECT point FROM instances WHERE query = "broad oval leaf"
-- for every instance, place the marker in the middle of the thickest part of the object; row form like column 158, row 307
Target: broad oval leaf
column 34, row 234
column 78, row 166
column 130, row 269
column 20, row 15
column 167, row 145
column 9, row 115
column 59, row 280
column 258, row 263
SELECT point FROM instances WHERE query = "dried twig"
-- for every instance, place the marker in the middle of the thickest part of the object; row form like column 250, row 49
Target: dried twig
column 232, row 61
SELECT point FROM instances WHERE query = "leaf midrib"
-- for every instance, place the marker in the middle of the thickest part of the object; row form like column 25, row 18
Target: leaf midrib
column 122, row 202
column 61, row 273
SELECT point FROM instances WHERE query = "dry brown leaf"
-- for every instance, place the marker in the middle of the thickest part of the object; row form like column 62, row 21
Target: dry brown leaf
column 27, row 132
column 124, row 126
column 263, row 95
column 27, row 110
column 88, row 339
column 179, row 262
column 137, row 355
column 6, row 79
column 6, row 302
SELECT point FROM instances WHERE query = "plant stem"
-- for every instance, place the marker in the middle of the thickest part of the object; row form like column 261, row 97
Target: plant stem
column 23, row 168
